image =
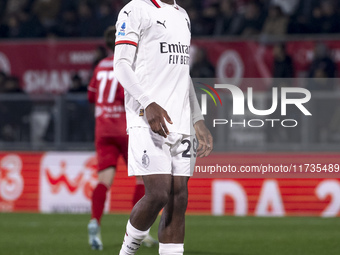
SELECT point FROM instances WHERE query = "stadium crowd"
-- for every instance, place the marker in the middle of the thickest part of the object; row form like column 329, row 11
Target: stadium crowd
column 89, row 18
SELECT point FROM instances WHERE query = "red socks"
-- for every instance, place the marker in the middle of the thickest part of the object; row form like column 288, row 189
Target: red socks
column 99, row 197
column 139, row 193
column 98, row 201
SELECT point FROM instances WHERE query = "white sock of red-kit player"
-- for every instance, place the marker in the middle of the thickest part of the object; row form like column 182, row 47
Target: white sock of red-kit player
column 132, row 240
column 171, row 248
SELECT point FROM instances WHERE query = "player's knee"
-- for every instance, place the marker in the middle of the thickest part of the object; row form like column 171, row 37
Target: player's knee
column 106, row 176
column 160, row 198
column 181, row 199
column 107, row 183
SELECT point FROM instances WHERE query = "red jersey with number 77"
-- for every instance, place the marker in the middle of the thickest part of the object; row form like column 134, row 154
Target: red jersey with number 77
column 108, row 96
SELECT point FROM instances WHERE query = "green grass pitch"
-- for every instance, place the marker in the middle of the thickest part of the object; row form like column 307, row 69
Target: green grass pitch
column 58, row 234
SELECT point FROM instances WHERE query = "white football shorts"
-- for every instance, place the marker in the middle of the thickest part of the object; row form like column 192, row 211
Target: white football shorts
column 149, row 153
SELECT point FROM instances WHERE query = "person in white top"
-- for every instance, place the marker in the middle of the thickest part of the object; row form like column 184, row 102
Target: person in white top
column 152, row 64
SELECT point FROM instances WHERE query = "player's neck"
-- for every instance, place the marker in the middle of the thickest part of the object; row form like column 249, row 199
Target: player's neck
column 168, row 1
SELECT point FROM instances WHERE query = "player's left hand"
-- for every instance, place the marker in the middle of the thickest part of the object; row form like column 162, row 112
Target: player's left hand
column 205, row 139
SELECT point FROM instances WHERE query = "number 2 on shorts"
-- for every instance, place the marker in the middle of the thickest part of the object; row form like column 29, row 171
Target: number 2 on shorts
column 186, row 153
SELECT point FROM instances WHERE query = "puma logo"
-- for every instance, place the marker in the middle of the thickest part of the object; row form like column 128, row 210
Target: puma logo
column 127, row 13
column 160, row 23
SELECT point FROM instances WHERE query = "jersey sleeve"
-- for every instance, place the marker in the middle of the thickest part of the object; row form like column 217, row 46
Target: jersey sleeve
column 196, row 113
column 130, row 25
column 92, row 88
column 123, row 61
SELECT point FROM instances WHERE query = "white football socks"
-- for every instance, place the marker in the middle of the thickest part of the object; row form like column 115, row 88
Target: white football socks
column 132, row 240
column 171, row 248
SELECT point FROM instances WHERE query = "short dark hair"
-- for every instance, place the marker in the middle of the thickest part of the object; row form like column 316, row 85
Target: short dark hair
column 109, row 36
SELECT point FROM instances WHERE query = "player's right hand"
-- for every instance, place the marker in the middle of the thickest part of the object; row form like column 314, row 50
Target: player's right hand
column 155, row 116
column 205, row 139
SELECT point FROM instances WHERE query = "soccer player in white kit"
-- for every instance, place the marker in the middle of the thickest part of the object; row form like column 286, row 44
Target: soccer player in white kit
column 152, row 64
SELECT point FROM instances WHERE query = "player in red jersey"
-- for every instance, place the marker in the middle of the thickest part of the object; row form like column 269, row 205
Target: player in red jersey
column 111, row 139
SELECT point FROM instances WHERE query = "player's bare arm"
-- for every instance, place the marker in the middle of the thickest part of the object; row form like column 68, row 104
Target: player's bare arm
column 155, row 115
column 205, row 139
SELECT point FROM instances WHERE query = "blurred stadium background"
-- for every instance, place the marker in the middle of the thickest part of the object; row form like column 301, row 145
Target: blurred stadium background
column 48, row 49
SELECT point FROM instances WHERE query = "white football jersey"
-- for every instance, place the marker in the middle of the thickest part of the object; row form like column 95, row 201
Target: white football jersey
column 161, row 33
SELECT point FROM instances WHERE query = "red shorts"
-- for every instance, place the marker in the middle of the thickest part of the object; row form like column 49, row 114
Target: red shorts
column 108, row 150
